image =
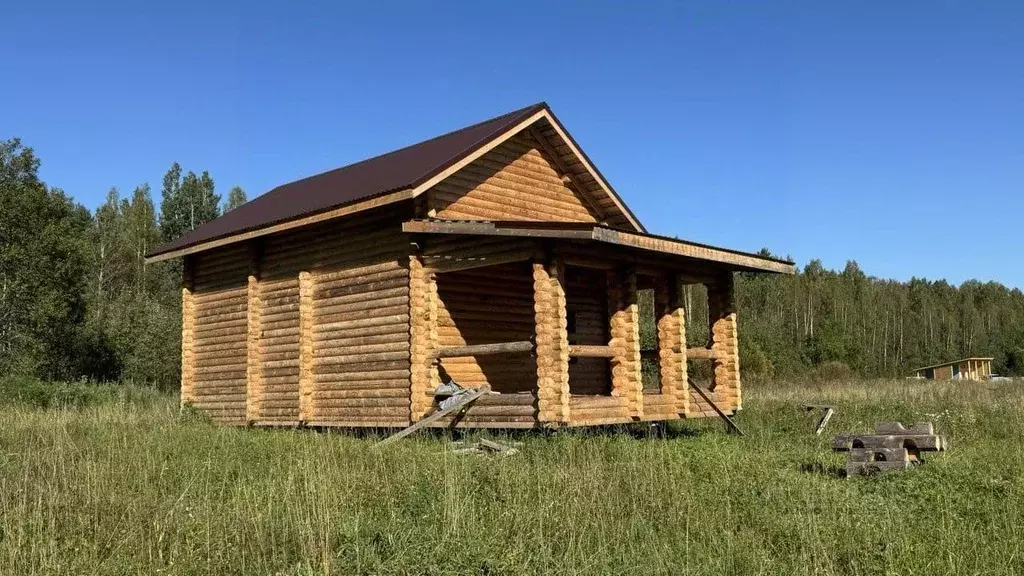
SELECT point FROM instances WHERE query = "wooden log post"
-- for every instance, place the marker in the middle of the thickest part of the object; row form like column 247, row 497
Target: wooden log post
column 188, row 327
column 671, row 313
column 552, row 343
column 422, row 322
column 624, row 312
column 306, row 379
column 725, row 341
column 253, row 360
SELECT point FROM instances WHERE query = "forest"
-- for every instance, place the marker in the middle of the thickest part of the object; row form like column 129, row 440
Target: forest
column 79, row 302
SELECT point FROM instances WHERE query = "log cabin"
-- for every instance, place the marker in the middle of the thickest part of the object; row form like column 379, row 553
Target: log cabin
column 494, row 255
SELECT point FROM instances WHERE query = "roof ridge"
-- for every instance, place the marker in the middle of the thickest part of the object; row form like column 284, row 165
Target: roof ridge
column 539, row 105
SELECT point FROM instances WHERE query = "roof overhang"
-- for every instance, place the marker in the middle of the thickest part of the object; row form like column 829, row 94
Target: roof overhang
column 344, row 210
column 587, row 232
column 953, row 363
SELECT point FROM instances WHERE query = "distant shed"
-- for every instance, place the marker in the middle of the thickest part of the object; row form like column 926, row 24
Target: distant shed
column 493, row 255
column 966, row 369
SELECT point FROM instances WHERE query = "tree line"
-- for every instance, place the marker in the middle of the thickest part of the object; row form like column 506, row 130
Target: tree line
column 78, row 301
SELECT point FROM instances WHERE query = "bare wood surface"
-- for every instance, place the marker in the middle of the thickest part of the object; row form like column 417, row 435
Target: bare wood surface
column 458, row 406
column 484, row 349
column 722, row 415
column 591, row 351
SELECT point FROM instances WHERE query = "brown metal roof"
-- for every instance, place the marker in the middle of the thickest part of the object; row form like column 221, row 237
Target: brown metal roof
column 398, row 170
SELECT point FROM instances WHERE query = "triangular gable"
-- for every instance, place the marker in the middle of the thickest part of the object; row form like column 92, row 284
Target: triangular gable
column 518, row 180
column 540, row 136
column 406, row 174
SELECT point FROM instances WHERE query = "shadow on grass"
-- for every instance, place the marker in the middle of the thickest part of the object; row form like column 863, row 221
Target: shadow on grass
column 638, row 431
column 823, row 469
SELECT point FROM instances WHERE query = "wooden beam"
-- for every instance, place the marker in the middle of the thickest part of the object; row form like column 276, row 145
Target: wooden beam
column 484, row 349
column 589, row 351
column 699, row 353
column 435, row 416
column 594, row 232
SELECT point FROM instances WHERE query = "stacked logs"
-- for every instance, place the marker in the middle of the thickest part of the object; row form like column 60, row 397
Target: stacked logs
column 597, row 410
column 481, row 306
column 188, row 326
column 586, row 296
column 552, row 344
column 516, row 410
column 306, row 383
column 515, row 181
column 420, row 325
column 217, row 319
column 724, row 352
column 361, row 341
column 725, row 341
column 254, row 364
column 671, row 351
column 625, row 340
column 891, row 447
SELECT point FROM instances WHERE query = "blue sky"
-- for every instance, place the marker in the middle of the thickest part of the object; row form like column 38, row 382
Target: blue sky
column 890, row 133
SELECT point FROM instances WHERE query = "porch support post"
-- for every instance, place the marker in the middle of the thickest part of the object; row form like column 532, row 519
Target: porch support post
column 725, row 342
column 253, row 361
column 552, row 342
column 668, row 299
column 423, row 374
column 188, row 326
column 625, row 340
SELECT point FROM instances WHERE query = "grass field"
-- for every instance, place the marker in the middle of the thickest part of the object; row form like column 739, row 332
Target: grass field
column 123, row 484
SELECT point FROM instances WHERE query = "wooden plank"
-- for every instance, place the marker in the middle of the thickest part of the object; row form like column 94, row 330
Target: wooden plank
column 732, row 425
column 644, row 242
column 465, row 401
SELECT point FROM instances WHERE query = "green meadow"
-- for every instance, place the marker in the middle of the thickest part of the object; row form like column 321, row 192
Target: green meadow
column 110, row 479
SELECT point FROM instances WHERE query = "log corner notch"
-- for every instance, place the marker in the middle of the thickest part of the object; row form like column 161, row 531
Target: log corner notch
column 552, row 336
column 725, row 351
column 188, row 327
column 253, row 358
column 624, row 314
column 422, row 336
column 672, row 352
column 306, row 380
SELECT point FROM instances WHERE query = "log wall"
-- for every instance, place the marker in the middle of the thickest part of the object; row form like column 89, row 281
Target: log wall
column 483, row 306
column 219, row 327
column 311, row 328
column 518, row 180
column 586, row 297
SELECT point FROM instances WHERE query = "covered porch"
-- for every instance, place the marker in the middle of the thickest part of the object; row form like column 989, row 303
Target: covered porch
column 547, row 314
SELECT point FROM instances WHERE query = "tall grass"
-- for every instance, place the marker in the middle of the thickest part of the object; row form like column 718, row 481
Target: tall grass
column 133, row 487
